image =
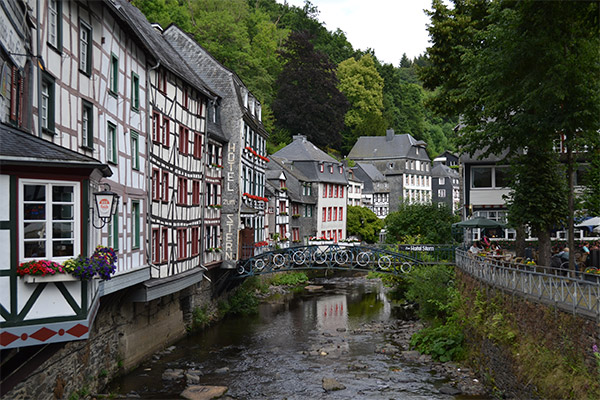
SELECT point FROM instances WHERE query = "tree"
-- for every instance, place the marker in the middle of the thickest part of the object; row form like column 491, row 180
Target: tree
column 429, row 223
column 363, row 87
column 308, row 100
column 363, row 223
column 519, row 74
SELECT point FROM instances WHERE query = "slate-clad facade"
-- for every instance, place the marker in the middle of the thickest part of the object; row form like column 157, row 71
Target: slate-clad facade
column 329, row 183
column 403, row 161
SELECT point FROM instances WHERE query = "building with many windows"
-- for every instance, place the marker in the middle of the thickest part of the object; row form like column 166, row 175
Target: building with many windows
column 376, row 191
column 445, row 186
column 403, row 161
column 355, row 189
column 328, row 180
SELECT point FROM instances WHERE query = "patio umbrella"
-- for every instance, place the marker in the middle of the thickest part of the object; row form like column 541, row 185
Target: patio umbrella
column 479, row 223
column 590, row 223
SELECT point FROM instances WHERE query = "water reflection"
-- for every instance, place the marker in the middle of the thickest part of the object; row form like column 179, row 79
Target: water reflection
column 290, row 346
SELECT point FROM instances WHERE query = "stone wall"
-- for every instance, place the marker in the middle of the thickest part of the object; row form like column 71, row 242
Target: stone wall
column 546, row 327
column 123, row 335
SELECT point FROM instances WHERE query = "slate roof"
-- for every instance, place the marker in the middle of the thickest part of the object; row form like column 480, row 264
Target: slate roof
column 302, row 150
column 475, row 158
column 442, row 170
column 21, row 148
column 294, row 179
column 369, row 174
column 159, row 47
column 377, row 147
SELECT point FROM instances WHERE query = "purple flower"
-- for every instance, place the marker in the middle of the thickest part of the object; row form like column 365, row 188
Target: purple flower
column 595, row 349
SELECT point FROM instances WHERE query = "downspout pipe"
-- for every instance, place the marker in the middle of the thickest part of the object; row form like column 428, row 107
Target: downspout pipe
column 204, row 200
column 39, row 67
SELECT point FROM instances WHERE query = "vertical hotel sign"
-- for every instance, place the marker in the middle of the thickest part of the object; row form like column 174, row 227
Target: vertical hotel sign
column 230, row 211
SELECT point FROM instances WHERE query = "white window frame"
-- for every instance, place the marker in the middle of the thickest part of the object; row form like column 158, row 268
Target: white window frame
column 48, row 220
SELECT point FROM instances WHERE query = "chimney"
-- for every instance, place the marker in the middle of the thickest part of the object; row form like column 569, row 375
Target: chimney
column 389, row 135
column 299, row 137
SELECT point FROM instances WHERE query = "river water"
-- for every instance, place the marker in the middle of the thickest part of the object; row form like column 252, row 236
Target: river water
column 342, row 331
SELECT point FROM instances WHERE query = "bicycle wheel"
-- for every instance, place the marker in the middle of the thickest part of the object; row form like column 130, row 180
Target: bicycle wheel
column 363, row 259
column 259, row 264
column 384, row 262
column 278, row 260
column 341, row 257
column 299, row 257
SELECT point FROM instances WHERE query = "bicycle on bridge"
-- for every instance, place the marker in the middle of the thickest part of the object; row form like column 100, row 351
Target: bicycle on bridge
column 338, row 257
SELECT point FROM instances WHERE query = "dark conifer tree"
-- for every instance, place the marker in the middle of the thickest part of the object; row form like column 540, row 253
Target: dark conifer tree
column 308, row 101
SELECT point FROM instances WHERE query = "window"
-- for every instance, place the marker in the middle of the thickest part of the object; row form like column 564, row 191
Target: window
column 295, row 209
column 162, row 81
column 182, row 191
column 324, row 214
column 337, row 190
column 308, row 210
column 155, row 184
column 50, row 220
column 195, row 232
column 166, row 131
column 85, row 48
column 55, row 24
column 341, row 191
column 196, row 192
column 282, row 207
column 331, row 169
column 441, row 192
column 334, row 214
column 165, row 244
column 87, row 124
column 135, row 150
column 181, row 243
column 489, row 177
column 186, row 98
column 155, row 126
column 111, row 143
column 329, row 216
column 321, row 167
column 340, row 234
column 164, row 191
column 331, row 190
column 296, row 234
column 442, row 181
column 341, row 213
column 113, row 77
column 135, row 214
column 155, row 245
column 325, row 186
column 48, row 101
column 198, row 145
column 183, row 139
column 135, row 91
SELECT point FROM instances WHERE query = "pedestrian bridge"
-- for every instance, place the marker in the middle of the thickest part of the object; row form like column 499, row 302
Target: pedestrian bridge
column 387, row 260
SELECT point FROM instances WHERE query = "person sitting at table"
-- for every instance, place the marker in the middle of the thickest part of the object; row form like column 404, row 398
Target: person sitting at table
column 475, row 249
column 486, row 242
column 564, row 254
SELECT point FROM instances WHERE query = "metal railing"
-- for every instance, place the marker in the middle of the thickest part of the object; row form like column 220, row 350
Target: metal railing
column 579, row 294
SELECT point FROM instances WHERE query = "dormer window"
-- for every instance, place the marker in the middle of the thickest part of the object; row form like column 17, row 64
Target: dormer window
column 252, row 106
column 245, row 99
column 259, row 112
column 341, row 169
column 321, row 167
column 331, row 169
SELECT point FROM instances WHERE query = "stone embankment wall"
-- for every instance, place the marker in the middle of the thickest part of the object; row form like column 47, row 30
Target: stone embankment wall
column 123, row 335
column 526, row 349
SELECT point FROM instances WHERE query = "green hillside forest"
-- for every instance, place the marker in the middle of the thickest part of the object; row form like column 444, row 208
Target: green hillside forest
column 310, row 81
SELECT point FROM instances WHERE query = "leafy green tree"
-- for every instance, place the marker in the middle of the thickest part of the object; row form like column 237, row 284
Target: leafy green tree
column 591, row 192
column 364, row 223
column 308, row 100
column 520, row 73
column 166, row 12
column 363, row 87
column 431, row 223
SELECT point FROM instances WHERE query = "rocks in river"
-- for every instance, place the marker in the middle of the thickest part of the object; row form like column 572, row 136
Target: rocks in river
column 452, row 391
column 386, row 349
column 172, row 374
column 197, row 392
column 223, row 370
column 357, row 366
column 330, row 384
column 313, row 288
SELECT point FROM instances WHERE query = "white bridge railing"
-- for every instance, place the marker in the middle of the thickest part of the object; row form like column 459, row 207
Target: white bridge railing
column 579, row 295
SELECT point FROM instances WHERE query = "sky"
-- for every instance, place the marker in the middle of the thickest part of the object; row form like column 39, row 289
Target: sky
column 389, row 27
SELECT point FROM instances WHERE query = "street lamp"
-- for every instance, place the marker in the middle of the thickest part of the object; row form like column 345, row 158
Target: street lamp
column 106, row 205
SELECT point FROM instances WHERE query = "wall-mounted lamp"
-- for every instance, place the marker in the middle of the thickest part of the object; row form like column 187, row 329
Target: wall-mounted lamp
column 106, row 205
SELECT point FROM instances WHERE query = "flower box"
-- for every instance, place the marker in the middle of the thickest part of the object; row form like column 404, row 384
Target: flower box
column 50, row 278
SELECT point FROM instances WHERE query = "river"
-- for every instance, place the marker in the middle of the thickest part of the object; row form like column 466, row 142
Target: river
column 344, row 331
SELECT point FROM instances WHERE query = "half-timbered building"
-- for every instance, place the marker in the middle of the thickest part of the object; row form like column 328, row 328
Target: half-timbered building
column 244, row 155
column 184, row 176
